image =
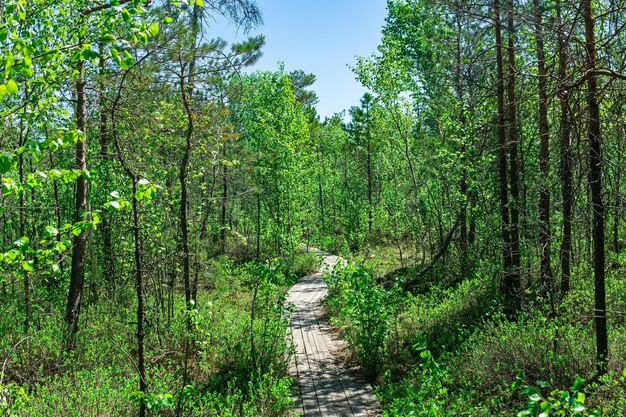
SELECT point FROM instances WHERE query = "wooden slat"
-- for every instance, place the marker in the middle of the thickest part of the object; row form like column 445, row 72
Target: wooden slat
column 324, row 389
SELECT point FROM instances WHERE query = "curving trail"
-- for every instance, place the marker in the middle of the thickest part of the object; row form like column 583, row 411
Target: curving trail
column 324, row 389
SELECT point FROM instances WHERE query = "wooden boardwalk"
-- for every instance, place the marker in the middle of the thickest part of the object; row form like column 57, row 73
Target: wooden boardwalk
column 324, row 389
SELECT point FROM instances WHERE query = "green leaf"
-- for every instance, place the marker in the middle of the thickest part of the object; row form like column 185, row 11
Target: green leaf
column 128, row 60
column 168, row 400
column 12, row 87
column 126, row 15
column 200, row 3
column 3, row 91
column 8, row 64
column 578, row 384
column 153, row 28
column 27, row 266
column 116, row 56
column 27, row 71
column 6, row 163
column 543, row 384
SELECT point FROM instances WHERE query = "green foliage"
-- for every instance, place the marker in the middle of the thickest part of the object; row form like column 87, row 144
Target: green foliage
column 274, row 134
column 557, row 403
column 12, row 399
column 444, row 317
column 225, row 377
column 265, row 395
column 424, row 392
column 364, row 311
column 299, row 264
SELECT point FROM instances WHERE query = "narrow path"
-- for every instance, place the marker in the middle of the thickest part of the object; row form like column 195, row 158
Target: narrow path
column 325, row 390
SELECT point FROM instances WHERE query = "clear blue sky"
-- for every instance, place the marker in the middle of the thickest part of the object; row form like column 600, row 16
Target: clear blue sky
column 320, row 37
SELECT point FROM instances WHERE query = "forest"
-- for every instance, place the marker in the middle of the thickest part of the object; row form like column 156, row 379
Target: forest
column 158, row 196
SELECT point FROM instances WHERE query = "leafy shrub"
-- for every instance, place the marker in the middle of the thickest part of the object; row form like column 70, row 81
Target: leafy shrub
column 300, row 264
column 364, row 311
column 421, row 393
column 12, row 399
column 99, row 378
column 336, row 243
column 265, row 395
column 543, row 349
column 557, row 403
column 99, row 392
column 442, row 319
column 240, row 336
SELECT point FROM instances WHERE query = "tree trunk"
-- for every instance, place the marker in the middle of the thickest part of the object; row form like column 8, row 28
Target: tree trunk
column 184, row 200
column 369, row 181
column 595, row 186
column 618, row 183
column 502, row 157
column 57, row 212
column 105, row 228
column 463, row 182
column 545, row 237
column 139, row 281
column 566, row 158
column 224, row 202
column 139, row 287
column 26, row 275
column 513, row 161
column 79, row 242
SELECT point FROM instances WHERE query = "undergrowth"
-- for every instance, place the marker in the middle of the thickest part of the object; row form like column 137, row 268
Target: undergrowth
column 237, row 363
column 450, row 351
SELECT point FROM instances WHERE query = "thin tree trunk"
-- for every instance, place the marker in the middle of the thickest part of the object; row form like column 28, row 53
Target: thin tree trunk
column 224, row 202
column 595, row 185
column 566, row 158
column 502, row 157
column 321, row 198
column 139, row 281
column 258, row 227
column 186, row 91
column 463, row 182
column 545, row 237
column 139, row 287
column 369, row 181
column 57, row 212
column 26, row 275
column 513, row 161
column 105, row 228
column 184, row 199
column 79, row 242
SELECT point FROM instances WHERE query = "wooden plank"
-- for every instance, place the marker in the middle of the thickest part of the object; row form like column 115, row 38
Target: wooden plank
column 324, row 389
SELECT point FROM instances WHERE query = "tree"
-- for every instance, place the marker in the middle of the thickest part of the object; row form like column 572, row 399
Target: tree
column 595, row 184
column 509, row 286
column 361, row 129
column 544, row 137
